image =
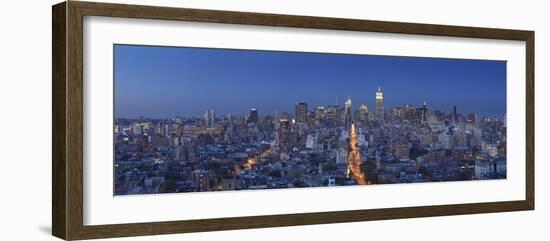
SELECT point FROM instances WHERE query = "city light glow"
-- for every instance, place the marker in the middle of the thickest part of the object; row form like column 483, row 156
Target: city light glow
column 354, row 158
column 199, row 120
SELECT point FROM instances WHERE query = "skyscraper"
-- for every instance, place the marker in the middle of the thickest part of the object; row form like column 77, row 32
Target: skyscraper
column 229, row 123
column 301, row 112
column 472, row 117
column 212, row 117
column 319, row 115
column 347, row 113
column 284, row 125
column 455, row 116
column 379, row 105
column 363, row 112
column 253, row 118
column 320, row 112
column 206, row 117
column 330, row 114
column 209, row 118
column 285, row 137
column 422, row 113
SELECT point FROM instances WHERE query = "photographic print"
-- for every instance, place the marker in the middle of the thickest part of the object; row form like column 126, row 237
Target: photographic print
column 203, row 119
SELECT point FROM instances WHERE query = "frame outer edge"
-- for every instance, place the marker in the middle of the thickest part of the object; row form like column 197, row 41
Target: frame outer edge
column 59, row 174
column 530, row 117
column 67, row 120
column 74, row 120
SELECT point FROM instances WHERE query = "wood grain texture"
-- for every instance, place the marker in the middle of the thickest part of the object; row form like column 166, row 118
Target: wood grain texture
column 155, row 228
column 74, row 121
column 530, row 120
column 59, row 183
column 280, row 20
column 67, row 81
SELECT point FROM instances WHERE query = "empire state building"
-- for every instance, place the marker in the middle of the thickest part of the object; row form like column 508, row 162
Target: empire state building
column 379, row 105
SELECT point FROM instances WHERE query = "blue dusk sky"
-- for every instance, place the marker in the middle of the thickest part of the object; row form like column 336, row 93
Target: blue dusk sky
column 161, row 82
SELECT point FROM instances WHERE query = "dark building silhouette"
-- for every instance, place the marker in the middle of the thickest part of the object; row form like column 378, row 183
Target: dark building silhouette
column 301, row 112
column 253, row 118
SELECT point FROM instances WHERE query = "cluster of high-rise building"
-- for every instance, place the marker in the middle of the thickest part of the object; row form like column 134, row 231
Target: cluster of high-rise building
column 328, row 145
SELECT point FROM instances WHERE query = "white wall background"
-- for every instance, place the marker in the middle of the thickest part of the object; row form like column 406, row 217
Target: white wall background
column 25, row 122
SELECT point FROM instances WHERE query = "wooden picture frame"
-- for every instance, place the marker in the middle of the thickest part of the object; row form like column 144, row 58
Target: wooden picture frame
column 67, row 124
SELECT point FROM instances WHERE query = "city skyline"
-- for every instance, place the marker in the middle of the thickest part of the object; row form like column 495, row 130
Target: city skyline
column 396, row 120
column 184, row 82
column 292, row 113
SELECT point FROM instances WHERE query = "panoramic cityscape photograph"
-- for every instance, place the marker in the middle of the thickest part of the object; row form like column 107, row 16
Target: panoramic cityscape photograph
column 190, row 119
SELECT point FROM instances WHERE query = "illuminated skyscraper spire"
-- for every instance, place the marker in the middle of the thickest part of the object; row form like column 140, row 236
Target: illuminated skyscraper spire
column 379, row 105
column 423, row 112
column 347, row 113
